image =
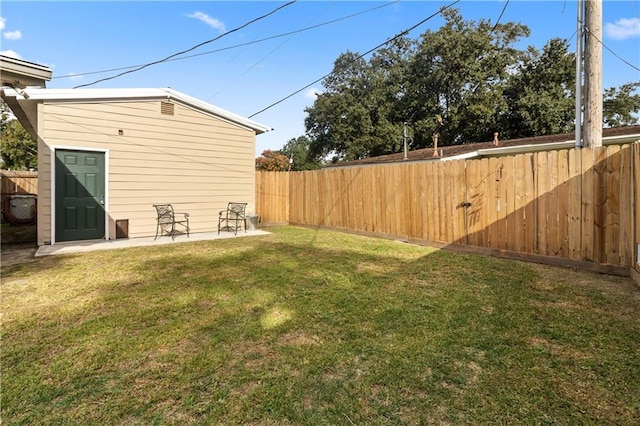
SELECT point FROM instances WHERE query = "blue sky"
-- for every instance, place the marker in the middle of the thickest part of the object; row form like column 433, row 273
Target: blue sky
column 244, row 75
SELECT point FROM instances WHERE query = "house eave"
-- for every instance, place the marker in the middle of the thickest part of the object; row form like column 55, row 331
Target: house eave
column 21, row 74
column 24, row 111
column 139, row 94
column 510, row 150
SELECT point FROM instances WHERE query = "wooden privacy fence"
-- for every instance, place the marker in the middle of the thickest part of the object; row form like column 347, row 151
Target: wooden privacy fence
column 272, row 197
column 19, row 182
column 573, row 204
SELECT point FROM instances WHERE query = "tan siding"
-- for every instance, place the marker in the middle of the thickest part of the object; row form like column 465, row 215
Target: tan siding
column 44, row 187
column 196, row 162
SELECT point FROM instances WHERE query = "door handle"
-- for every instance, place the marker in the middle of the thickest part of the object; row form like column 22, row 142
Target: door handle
column 465, row 204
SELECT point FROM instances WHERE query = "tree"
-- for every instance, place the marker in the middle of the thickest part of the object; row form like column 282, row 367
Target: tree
column 354, row 116
column 540, row 94
column 450, row 82
column 272, row 161
column 19, row 151
column 297, row 149
column 5, row 114
column 457, row 78
column 464, row 81
column 619, row 106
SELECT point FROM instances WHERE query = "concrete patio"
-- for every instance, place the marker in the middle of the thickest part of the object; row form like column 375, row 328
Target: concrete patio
column 93, row 245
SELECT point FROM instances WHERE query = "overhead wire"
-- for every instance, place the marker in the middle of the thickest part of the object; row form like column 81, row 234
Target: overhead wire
column 408, row 30
column 400, row 35
column 500, row 17
column 252, row 66
column 191, row 48
column 300, row 30
column 586, row 29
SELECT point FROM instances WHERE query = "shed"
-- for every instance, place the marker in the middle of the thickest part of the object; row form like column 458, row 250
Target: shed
column 119, row 151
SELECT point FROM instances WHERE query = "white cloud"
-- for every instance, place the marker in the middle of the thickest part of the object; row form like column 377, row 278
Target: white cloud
column 3, row 22
column 212, row 22
column 623, row 28
column 311, row 93
column 13, row 35
column 11, row 54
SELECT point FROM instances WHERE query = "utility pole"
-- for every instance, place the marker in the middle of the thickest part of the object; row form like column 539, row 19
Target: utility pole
column 593, row 74
column 404, row 139
column 579, row 54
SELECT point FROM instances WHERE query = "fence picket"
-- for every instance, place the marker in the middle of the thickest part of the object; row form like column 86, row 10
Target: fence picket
column 19, row 182
column 576, row 204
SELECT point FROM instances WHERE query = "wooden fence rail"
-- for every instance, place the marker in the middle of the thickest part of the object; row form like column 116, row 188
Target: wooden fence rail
column 19, row 182
column 574, row 204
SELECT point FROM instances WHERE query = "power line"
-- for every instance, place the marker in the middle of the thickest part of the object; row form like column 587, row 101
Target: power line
column 191, row 48
column 282, row 44
column 408, row 30
column 300, row 30
column 500, row 17
column 611, row 51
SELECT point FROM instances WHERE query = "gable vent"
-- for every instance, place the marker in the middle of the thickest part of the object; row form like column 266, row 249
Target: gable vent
column 167, row 108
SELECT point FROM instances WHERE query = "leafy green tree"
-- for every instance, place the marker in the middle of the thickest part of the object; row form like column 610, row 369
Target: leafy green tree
column 541, row 93
column 620, row 105
column 5, row 114
column 353, row 117
column 297, row 149
column 19, row 151
column 464, row 81
column 272, row 161
column 449, row 82
column 457, row 78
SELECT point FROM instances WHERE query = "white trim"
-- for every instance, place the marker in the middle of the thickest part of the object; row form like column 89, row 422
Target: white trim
column 21, row 73
column 28, row 68
column 465, row 156
column 519, row 149
column 52, row 153
column 34, row 94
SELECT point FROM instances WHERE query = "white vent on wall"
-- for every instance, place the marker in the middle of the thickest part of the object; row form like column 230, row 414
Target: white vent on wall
column 167, row 108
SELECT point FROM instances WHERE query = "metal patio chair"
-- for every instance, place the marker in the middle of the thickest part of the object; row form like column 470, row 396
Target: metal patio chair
column 167, row 222
column 233, row 218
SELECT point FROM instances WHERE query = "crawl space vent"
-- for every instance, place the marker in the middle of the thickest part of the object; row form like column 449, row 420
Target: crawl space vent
column 166, row 108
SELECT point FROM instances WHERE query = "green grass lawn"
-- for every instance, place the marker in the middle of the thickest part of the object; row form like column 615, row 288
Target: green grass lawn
column 315, row 327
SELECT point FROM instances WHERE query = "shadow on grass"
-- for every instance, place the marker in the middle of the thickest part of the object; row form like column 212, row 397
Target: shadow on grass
column 312, row 328
column 17, row 244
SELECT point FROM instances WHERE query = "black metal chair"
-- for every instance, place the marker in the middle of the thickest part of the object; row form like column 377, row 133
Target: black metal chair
column 167, row 223
column 233, row 218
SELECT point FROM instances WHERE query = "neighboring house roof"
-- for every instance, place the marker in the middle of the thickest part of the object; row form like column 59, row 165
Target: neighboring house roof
column 25, row 100
column 19, row 73
column 483, row 149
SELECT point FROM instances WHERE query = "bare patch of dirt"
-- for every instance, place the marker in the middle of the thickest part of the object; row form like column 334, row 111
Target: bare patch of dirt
column 560, row 351
column 17, row 253
column 623, row 290
column 299, row 339
column 551, row 277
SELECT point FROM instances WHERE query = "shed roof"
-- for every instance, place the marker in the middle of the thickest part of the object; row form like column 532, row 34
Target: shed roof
column 33, row 95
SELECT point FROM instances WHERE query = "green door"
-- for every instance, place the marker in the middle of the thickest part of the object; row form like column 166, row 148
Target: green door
column 79, row 195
